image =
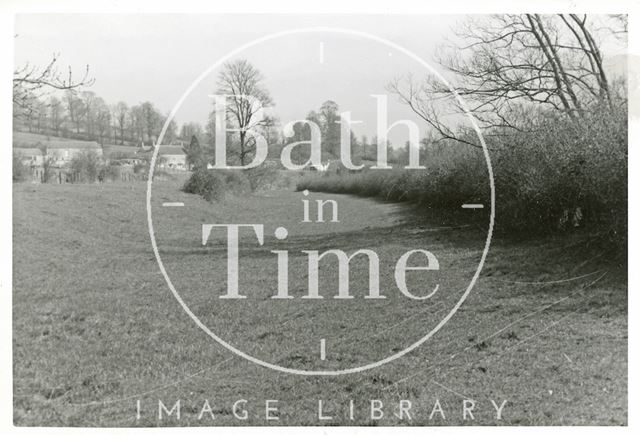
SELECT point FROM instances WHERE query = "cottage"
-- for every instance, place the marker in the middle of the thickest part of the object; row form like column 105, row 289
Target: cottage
column 63, row 152
column 172, row 157
column 29, row 156
column 124, row 155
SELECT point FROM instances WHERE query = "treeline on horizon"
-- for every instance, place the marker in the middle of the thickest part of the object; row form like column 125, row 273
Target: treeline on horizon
column 83, row 115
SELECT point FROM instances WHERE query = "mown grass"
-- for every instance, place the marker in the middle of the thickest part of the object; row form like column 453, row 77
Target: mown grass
column 95, row 327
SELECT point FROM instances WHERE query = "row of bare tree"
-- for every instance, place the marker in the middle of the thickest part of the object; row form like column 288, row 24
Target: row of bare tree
column 49, row 102
column 85, row 115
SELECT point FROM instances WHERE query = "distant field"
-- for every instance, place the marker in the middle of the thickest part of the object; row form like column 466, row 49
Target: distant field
column 96, row 328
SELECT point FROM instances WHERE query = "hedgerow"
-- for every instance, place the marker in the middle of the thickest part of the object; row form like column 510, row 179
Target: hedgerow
column 558, row 175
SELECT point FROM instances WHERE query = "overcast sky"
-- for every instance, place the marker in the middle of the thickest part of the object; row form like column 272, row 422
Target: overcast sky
column 156, row 57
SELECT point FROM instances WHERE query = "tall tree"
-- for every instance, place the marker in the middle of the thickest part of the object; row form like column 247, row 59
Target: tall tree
column 151, row 121
column 507, row 63
column 171, row 133
column 103, row 121
column 74, row 107
column 92, row 104
column 240, row 79
column 136, row 124
column 196, row 158
column 189, row 130
column 329, row 118
column 56, row 115
column 364, row 142
column 120, row 112
column 38, row 116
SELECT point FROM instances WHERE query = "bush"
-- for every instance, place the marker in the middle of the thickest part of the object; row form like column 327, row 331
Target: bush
column 110, row 172
column 86, row 166
column 262, row 177
column 560, row 175
column 208, row 184
column 20, row 171
column 141, row 168
column 236, row 181
column 213, row 184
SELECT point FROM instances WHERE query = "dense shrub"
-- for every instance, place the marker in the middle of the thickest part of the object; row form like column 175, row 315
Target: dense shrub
column 566, row 174
column 208, row 184
column 110, row 172
column 141, row 168
column 86, row 166
column 236, row 181
column 262, row 177
column 214, row 184
column 558, row 175
column 47, row 169
column 20, row 171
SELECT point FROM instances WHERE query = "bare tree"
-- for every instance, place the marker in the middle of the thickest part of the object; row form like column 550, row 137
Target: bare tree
column 171, row 133
column 151, row 121
column 329, row 118
column 38, row 117
column 190, row 129
column 90, row 105
column 238, row 79
column 505, row 64
column 74, row 108
column 136, row 124
column 31, row 82
column 56, row 115
column 120, row 112
column 103, row 120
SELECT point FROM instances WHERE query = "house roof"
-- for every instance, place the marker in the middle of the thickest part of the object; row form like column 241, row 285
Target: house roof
column 171, row 150
column 121, row 152
column 123, row 148
column 27, row 152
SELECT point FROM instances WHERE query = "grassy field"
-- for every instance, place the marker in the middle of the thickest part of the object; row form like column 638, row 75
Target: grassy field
column 32, row 140
column 96, row 328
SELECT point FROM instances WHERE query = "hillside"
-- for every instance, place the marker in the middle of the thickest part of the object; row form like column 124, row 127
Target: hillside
column 32, row 140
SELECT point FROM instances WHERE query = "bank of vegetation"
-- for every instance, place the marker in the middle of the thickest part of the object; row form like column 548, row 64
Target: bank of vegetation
column 554, row 118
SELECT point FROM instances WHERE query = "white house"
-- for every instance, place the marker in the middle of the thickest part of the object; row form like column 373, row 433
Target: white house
column 29, row 156
column 63, row 152
column 123, row 154
column 172, row 157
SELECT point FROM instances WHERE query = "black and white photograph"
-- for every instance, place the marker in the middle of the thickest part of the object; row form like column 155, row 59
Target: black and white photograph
column 295, row 218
